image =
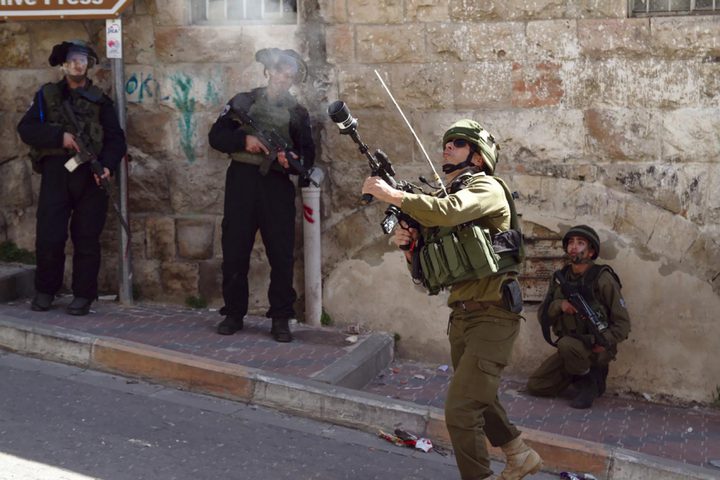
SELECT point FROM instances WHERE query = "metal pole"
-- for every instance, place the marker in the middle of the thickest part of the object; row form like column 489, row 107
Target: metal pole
column 125, row 268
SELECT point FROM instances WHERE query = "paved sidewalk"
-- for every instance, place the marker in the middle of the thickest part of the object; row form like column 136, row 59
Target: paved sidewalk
column 687, row 435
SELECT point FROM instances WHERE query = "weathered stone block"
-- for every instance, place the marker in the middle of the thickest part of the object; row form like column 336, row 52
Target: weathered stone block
column 617, row 37
column 210, row 280
column 483, row 85
column 179, row 279
column 484, row 10
column 691, row 134
column 674, row 236
column 219, row 44
column 539, row 85
column 624, row 134
column 420, row 87
column 194, row 90
column 636, row 220
column 197, row 187
column 485, row 41
column 160, row 234
column 340, row 41
column 148, row 183
column 333, row 11
column 171, row 12
column 597, row 9
column 194, row 238
column 139, row 39
column 148, row 132
column 46, row 34
column 15, row 39
column 146, row 278
column 19, row 87
column 357, row 87
column 552, row 39
column 379, row 44
column 427, row 11
column 632, row 83
column 375, row 11
column 15, row 188
column 683, row 37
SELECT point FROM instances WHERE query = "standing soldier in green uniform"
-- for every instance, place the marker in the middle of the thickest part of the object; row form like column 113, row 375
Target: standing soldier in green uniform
column 469, row 242
column 581, row 358
column 70, row 193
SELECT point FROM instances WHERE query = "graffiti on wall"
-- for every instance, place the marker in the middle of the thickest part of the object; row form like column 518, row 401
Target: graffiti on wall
column 142, row 86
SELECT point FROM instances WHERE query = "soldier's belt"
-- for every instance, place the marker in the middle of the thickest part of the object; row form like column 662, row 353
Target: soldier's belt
column 473, row 306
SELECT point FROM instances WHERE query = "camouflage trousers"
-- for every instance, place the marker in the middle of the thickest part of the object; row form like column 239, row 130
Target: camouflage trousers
column 481, row 343
column 573, row 358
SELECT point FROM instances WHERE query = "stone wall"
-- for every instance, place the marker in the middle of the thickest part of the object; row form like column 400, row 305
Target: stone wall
column 602, row 119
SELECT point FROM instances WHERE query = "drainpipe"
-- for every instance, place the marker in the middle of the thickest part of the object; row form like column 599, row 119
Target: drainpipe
column 312, row 250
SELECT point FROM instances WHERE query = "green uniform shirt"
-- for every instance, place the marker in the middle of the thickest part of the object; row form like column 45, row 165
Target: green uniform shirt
column 607, row 293
column 483, row 201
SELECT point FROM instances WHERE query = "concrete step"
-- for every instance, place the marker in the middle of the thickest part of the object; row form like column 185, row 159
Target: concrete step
column 365, row 362
column 16, row 281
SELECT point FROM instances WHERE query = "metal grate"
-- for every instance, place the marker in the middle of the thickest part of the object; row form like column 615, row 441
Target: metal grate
column 218, row 12
column 642, row 8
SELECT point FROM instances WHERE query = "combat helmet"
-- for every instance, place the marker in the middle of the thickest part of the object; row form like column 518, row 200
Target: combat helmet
column 481, row 139
column 588, row 233
column 272, row 57
column 61, row 51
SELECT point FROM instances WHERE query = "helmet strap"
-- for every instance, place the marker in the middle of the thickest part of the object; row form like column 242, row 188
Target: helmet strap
column 451, row 167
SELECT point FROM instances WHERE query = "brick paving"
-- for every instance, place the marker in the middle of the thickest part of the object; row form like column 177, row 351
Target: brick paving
column 687, row 434
column 193, row 331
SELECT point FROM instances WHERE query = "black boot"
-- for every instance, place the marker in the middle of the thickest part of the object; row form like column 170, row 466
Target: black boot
column 230, row 325
column 79, row 306
column 42, row 302
column 281, row 330
column 588, row 391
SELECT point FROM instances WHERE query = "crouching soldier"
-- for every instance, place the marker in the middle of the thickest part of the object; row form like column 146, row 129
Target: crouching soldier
column 588, row 337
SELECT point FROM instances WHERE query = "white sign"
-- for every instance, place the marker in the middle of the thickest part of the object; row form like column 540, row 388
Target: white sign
column 113, row 38
column 61, row 9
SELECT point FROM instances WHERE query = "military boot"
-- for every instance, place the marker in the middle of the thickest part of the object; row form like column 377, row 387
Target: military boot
column 79, row 306
column 520, row 459
column 42, row 302
column 281, row 330
column 588, row 386
column 230, row 325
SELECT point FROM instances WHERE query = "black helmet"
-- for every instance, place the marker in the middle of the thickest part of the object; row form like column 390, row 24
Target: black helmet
column 273, row 57
column 587, row 233
column 60, row 52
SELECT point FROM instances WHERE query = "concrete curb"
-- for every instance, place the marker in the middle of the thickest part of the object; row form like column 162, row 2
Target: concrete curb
column 315, row 399
column 16, row 281
column 362, row 364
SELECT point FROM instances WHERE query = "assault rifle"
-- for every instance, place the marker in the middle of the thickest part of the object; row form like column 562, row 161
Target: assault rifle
column 85, row 155
column 585, row 312
column 380, row 166
column 276, row 144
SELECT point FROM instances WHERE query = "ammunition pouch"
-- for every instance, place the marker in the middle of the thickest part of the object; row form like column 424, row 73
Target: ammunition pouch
column 466, row 253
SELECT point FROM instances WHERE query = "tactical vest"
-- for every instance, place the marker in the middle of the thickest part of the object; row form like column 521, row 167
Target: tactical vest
column 587, row 286
column 86, row 103
column 267, row 117
column 450, row 255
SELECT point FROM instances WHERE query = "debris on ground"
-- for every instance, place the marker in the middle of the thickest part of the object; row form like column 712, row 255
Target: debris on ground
column 443, row 368
column 402, row 438
column 352, row 339
column 576, row 476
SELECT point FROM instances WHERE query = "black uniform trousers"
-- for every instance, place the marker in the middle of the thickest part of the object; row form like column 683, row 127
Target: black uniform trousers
column 252, row 202
column 73, row 197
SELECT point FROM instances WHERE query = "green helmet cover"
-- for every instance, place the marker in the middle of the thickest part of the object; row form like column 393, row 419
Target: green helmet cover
column 588, row 233
column 474, row 133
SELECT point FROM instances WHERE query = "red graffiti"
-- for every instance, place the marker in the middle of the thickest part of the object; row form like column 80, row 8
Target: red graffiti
column 308, row 214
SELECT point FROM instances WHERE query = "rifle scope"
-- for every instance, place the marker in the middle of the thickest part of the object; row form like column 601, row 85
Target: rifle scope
column 340, row 114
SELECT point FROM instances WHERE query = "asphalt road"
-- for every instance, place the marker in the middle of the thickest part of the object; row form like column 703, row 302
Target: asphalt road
column 63, row 423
